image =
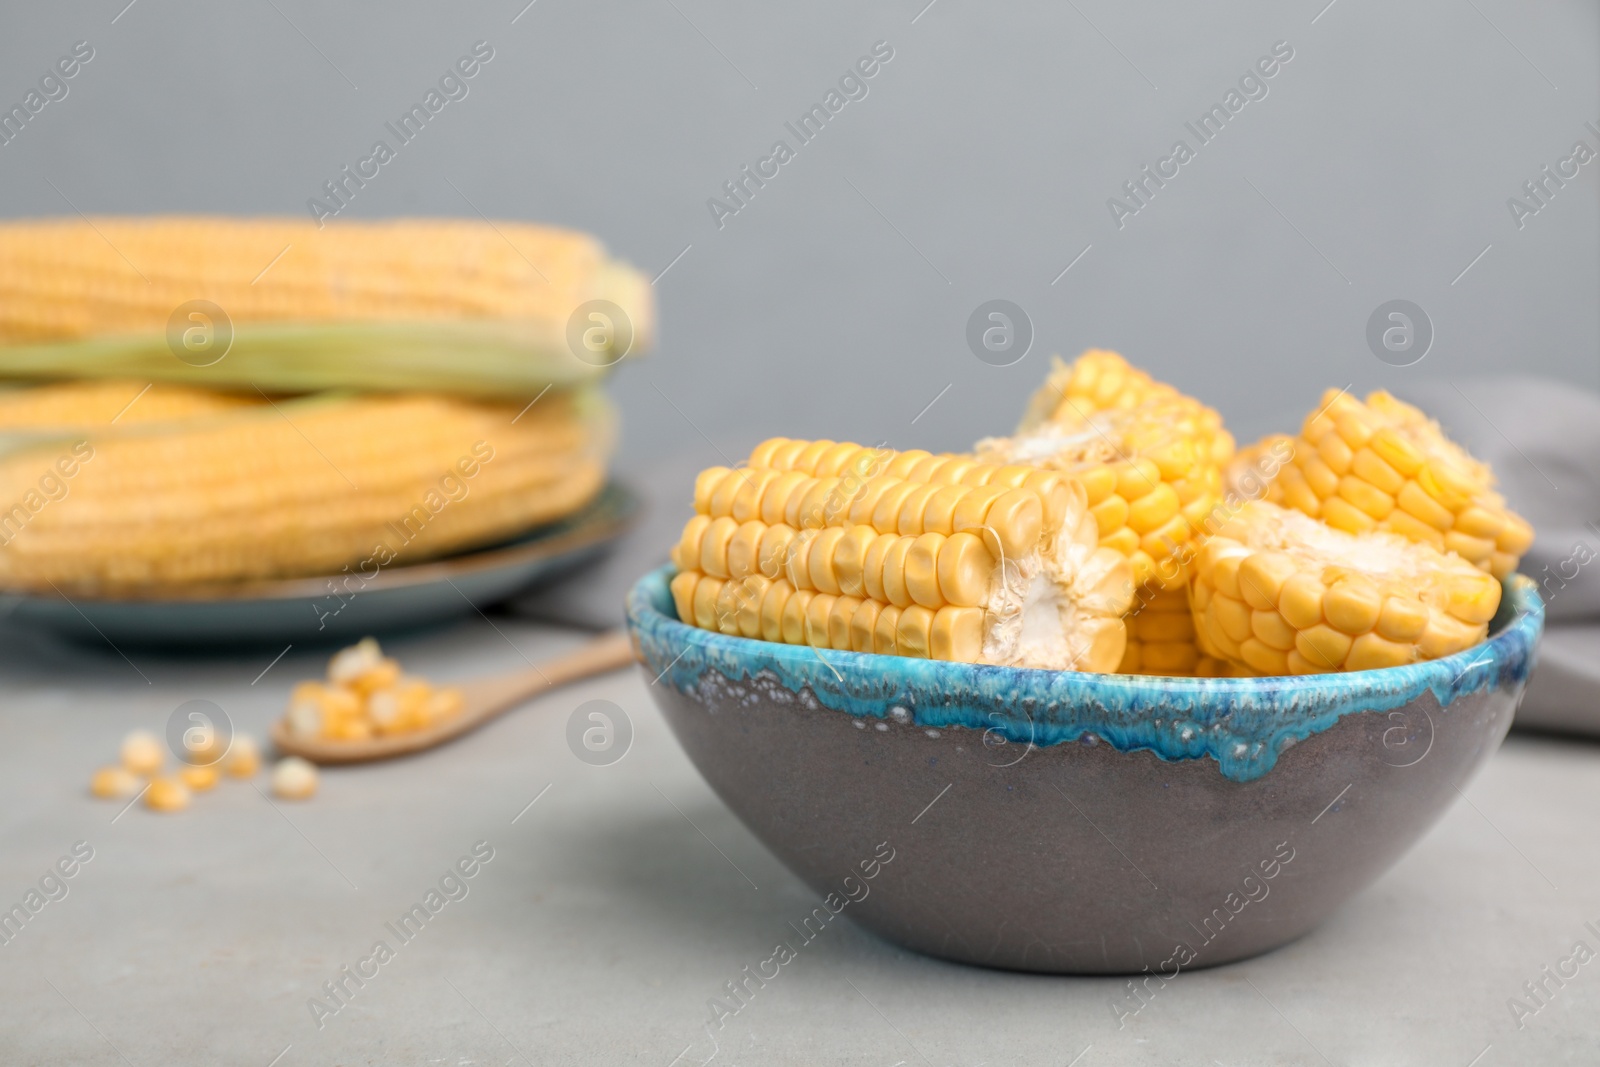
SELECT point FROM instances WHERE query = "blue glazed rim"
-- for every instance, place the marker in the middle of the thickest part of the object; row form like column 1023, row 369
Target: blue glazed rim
column 1242, row 723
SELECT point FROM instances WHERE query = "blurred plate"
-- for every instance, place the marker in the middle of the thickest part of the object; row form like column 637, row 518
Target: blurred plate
column 305, row 610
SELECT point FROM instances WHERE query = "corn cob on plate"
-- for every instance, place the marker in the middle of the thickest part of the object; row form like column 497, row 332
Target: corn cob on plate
column 438, row 305
column 286, row 488
column 328, row 608
column 113, row 492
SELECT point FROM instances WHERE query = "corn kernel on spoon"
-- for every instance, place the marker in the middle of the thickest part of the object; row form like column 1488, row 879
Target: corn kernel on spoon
column 481, row 700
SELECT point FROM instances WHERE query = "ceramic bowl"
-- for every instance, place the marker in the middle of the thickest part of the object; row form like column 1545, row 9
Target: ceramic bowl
column 1079, row 823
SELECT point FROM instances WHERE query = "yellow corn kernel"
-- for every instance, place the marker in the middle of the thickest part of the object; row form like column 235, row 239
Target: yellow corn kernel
column 839, row 617
column 1401, row 619
column 862, row 625
column 1367, row 466
column 143, row 753
column 166, row 795
column 1272, row 630
column 965, row 570
column 1258, row 656
column 726, row 607
column 198, row 779
column 1261, row 578
column 1371, row 500
column 351, row 663
column 1335, row 453
column 1232, row 616
column 956, row 633
column 1371, row 652
column 682, row 586
column 912, row 633
column 379, row 676
column 819, row 560
column 940, row 513
column 115, row 783
column 772, row 610
column 922, row 570
column 752, row 593
column 1323, row 647
column 1300, row 600
column 744, row 549
column 914, row 507
column 884, row 642
column 294, row 779
column 714, row 546
column 1473, row 549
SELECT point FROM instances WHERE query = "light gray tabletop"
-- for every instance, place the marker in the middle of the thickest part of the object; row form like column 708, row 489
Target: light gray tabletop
column 620, row 902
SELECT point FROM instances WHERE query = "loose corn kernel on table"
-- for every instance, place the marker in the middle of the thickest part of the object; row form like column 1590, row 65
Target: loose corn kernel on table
column 607, row 904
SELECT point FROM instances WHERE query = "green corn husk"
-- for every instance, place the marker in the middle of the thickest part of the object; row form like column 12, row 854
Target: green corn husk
column 477, row 359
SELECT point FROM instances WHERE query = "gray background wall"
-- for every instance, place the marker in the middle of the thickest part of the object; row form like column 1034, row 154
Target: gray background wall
column 979, row 166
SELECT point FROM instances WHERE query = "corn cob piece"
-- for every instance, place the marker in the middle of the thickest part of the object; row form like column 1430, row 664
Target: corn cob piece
column 1284, row 594
column 859, row 549
column 1162, row 640
column 1100, row 381
column 1161, row 636
column 1384, row 465
column 439, row 305
column 298, row 487
column 1149, row 457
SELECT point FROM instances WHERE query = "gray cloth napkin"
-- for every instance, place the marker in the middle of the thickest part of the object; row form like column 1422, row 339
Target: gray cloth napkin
column 1543, row 439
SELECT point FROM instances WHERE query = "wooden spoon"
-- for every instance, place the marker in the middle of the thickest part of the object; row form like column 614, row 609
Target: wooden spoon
column 482, row 700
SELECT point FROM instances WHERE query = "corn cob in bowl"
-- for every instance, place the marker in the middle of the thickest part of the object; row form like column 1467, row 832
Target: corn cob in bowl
column 1285, row 594
column 1149, row 457
column 1384, row 465
column 844, row 547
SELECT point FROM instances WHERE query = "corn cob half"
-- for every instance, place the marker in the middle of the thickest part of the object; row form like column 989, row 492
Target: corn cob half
column 1384, row 465
column 459, row 306
column 1161, row 636
column 1149, row 457
column 1162, row 640
column 1281, row 593
column 277, row 489
column 1100, row 381
column 857, row 549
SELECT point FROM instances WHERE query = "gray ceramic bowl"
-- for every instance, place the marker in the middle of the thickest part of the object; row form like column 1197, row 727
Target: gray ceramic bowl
column 1079, row 823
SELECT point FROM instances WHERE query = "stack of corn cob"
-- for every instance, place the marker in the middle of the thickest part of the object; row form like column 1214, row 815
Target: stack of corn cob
column 1117, row 531
column 222, row 400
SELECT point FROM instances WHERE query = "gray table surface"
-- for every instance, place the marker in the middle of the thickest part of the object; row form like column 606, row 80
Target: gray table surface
column 617, row 905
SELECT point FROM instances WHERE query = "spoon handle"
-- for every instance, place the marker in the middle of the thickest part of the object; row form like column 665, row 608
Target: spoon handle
column 605, row 653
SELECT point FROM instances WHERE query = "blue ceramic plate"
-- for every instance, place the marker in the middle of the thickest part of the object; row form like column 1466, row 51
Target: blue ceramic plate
column 303, row 610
